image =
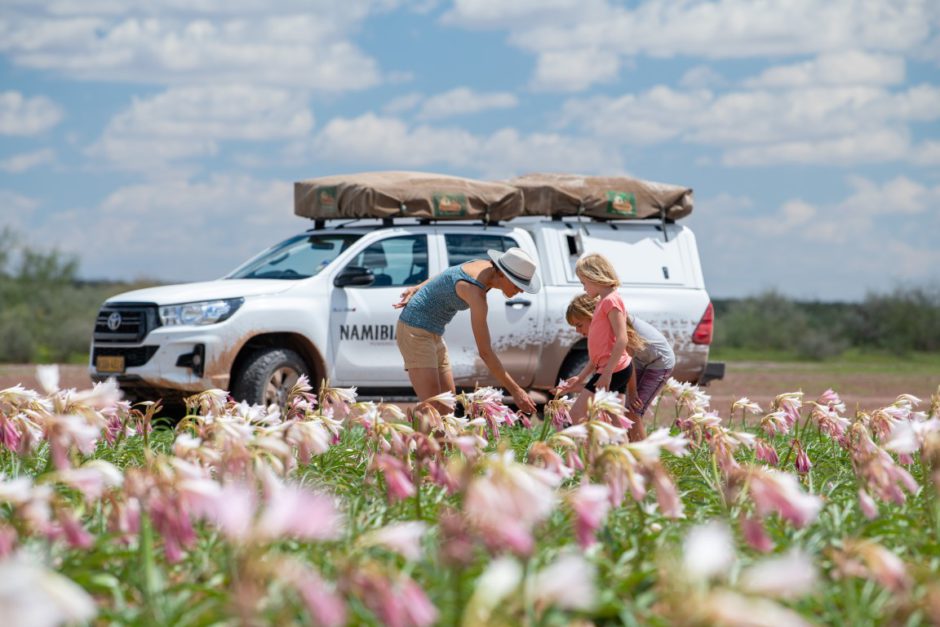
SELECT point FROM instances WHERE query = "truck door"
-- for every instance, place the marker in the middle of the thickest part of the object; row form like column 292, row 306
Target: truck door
column 514, row 323
column 362, row 320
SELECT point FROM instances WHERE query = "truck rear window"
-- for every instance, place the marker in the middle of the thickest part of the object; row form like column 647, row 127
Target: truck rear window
column 296, row 258
column 462, row 247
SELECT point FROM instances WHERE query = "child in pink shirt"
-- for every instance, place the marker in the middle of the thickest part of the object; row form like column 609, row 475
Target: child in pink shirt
column 611, row 339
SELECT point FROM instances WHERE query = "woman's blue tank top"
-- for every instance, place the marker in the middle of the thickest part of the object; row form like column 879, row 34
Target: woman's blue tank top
column 436, row 304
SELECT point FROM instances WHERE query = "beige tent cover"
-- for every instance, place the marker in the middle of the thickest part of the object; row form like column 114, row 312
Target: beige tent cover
column 411, row 194
column 602, row 197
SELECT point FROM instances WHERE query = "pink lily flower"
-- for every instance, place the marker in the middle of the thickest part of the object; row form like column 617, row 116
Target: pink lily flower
column 297, row 512
column 802, row 463
column 326, row 607
column 780, row 492
column 775, row 423
column 590, row 503
column 397, row 477
column 508, row 500
column 831, row 400
column 788, row 576
column 403, row 538
column 765, row 452
column 867, row 504
column 790, row 403
column 755, row 535
column 567, row 583
column 398, row 602
column 869, row 560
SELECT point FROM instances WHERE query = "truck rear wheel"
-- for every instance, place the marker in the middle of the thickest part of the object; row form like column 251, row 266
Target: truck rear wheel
column 268, row 376
column 573, row 364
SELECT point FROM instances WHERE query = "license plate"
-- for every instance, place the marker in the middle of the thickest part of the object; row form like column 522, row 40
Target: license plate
column 109, row 363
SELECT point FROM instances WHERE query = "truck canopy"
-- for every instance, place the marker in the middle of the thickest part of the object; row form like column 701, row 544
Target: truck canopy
column 405, row 194
column 602, row 197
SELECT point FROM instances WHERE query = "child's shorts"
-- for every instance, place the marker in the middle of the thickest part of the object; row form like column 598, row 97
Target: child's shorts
column 649, row 381
column 618, row 380
column 420, row 348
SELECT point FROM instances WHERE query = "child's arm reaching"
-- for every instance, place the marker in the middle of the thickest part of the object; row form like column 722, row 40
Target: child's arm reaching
column 575, row 383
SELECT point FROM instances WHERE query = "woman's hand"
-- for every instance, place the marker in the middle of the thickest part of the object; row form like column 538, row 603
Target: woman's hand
column 523, row 401
column 405, row 297
column 604, row 382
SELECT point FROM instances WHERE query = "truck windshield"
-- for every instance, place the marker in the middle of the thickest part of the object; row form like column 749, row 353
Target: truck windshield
column 299, row 257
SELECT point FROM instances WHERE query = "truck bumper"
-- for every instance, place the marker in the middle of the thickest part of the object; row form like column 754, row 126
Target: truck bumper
column 714, row 371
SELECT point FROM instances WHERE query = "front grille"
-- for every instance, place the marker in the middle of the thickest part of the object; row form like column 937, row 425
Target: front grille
column 131, row 321
column 133, row 357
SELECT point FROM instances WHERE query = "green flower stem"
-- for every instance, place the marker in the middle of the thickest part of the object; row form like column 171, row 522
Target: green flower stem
column 544, row 432
column 148, row 568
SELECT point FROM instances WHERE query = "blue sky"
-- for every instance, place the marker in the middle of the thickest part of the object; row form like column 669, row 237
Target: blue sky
column 160, row 139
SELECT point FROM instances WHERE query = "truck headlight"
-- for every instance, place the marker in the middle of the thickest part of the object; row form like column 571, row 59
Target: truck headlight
column 199, row 314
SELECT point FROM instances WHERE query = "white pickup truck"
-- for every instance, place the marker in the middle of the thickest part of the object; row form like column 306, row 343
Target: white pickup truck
column 320, row 304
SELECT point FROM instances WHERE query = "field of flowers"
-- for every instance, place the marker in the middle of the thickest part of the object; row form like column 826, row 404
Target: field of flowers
column 333, row 511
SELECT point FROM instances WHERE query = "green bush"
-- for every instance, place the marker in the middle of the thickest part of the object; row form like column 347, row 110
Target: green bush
column 46, row 314
column 908, row 319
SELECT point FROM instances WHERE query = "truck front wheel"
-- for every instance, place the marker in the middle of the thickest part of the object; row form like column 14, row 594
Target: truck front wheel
column 268, row 376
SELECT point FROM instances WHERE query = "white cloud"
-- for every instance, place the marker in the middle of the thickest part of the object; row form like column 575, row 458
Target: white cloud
column 16, row 210
column 20, row 115
column 462, row 101
column 403, row 103
column 27, row 160
column 287, row 43
column 186, row 122
column 853, row 67
column 373, row 141
column 719, row 29
column 878, row 234
column 176, row 229
column 575, row 69
column 899, row 195
column 878, row 147
column 842, row 124
column 926, row 153
column 701, row 77
column 499, row 14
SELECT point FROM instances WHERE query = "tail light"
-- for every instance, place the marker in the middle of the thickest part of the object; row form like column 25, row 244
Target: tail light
column 703, row 332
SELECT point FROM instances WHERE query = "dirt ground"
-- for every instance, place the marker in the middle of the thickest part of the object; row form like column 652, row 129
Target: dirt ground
column 758, row 381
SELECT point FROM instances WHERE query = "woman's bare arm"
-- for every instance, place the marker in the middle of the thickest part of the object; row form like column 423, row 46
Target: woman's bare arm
column 476, row 298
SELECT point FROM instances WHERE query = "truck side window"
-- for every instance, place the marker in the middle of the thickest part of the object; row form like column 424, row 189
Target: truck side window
column 396, row 261
column 462, row 247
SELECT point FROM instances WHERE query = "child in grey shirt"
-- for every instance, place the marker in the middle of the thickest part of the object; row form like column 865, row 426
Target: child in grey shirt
column 653, row 364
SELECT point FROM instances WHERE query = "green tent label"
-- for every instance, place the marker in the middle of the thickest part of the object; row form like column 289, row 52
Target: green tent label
column 325, row 201
column 450, row 205
column 621, row 204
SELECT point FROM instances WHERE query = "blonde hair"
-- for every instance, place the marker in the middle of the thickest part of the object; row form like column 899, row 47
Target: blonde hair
column 582, row 307
column 597, row 269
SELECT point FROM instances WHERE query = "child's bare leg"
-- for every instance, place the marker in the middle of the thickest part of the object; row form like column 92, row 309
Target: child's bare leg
column 579, row 409
column 637, row 432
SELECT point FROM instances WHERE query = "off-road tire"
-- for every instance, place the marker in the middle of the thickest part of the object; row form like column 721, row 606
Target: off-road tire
column 573, row 364
column 253, row 382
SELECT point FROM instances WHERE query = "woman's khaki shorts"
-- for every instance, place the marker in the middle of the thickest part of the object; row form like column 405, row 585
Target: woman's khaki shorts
column 421, row 348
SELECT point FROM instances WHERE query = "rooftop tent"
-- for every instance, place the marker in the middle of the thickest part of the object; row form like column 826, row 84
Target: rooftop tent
column 602, row 197
column 405, row 194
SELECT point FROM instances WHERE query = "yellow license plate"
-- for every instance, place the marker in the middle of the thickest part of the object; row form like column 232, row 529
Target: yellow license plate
column 109, row 363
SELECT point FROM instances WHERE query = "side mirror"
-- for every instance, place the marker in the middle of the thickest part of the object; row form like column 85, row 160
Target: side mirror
column 354, row 276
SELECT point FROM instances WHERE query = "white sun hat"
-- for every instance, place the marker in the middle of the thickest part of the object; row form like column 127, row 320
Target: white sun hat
column 518, row 267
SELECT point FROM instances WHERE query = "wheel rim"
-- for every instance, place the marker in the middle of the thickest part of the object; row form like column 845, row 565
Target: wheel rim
column 279, row 386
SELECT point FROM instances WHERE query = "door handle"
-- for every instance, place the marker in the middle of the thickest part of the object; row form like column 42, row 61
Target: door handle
column 516, row 303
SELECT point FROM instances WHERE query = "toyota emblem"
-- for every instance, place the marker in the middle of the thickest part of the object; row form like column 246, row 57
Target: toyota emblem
column 114, row 321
